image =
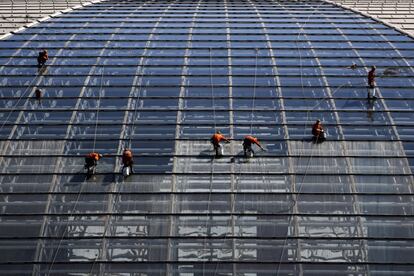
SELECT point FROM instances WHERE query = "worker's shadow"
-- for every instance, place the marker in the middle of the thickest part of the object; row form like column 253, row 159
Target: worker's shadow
column 80, row 178
column 239, row 158
column 76, row 180
column 107, row 179
column 313, row 140
column 207, row 153
column 211, row 154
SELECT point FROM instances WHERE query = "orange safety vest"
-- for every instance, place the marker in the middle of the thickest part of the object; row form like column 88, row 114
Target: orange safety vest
column 94, row 155
column 126, row 156
column 217, row 138
column 251, row 139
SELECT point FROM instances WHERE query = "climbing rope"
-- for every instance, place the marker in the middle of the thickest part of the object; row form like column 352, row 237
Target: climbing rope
column 66, row 229
column 82, row 186
column 254, row 92
column 208, row 210
column 136, row 105
column 18, row 100
column 98, row 107
column 212, row 91
column 294, row 201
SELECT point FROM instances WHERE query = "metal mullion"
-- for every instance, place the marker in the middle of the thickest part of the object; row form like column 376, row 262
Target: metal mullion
column 204, row 48
column 364, row 215
column 231, row 122
column 345, row 77
column 408, row 194
column 349, row 167
column 204, row 173
column 218, row 110
column 213, row 40
column 191, row 66
column 104, row 246
column 68, row 131
column 200, row 139
column 130, row 105
column 387, row 111
column 114, row 198
column 286, row 133
column 156, row 123
column 206, row 98
column 173, row 224
column 201, row 27
column 19, row 35
column 349, row 238
column 194, row 155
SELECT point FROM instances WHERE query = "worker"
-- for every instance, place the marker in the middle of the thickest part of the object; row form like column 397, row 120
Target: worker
column 318, row 132
column 371, row 83
column 38, row 95
column 216, row 139
column 91, row 160
column 247, row 144
column 127, row 160
column 42, row 58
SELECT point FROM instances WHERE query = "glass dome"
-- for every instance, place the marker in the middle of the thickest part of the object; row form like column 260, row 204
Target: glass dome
column 160, row 77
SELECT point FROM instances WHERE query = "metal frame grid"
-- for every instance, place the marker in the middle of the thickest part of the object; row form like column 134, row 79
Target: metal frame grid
column 161, row 77
column 18, row 13
column 399, row 13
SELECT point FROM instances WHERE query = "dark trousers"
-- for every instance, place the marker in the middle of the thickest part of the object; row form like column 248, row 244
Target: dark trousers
column 128, row 164
column 40, row 62
column 246, row 148
column 216, row 148
column 89, row 162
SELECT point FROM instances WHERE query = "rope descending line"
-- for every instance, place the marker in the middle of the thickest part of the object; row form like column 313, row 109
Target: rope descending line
column 136, row 105
column 212, row 91
column 254, row 92
column 19, row 99
column 98, row 107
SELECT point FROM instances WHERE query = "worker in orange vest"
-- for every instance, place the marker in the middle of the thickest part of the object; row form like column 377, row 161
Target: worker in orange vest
column 127, row 160
column 216, row 139
column 318, row 132
column 91, row 160
column 247, row 144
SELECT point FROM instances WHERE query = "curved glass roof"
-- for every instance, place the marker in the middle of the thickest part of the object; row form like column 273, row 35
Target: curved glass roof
column 161, row 77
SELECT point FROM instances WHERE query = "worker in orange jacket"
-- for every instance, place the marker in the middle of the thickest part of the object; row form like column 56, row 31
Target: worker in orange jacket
column 127, row 159
column 318, row 132
column 91, row 160
column 216, row 139
column 248, row 142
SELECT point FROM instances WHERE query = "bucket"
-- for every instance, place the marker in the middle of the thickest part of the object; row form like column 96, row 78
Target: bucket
column 126, row 171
